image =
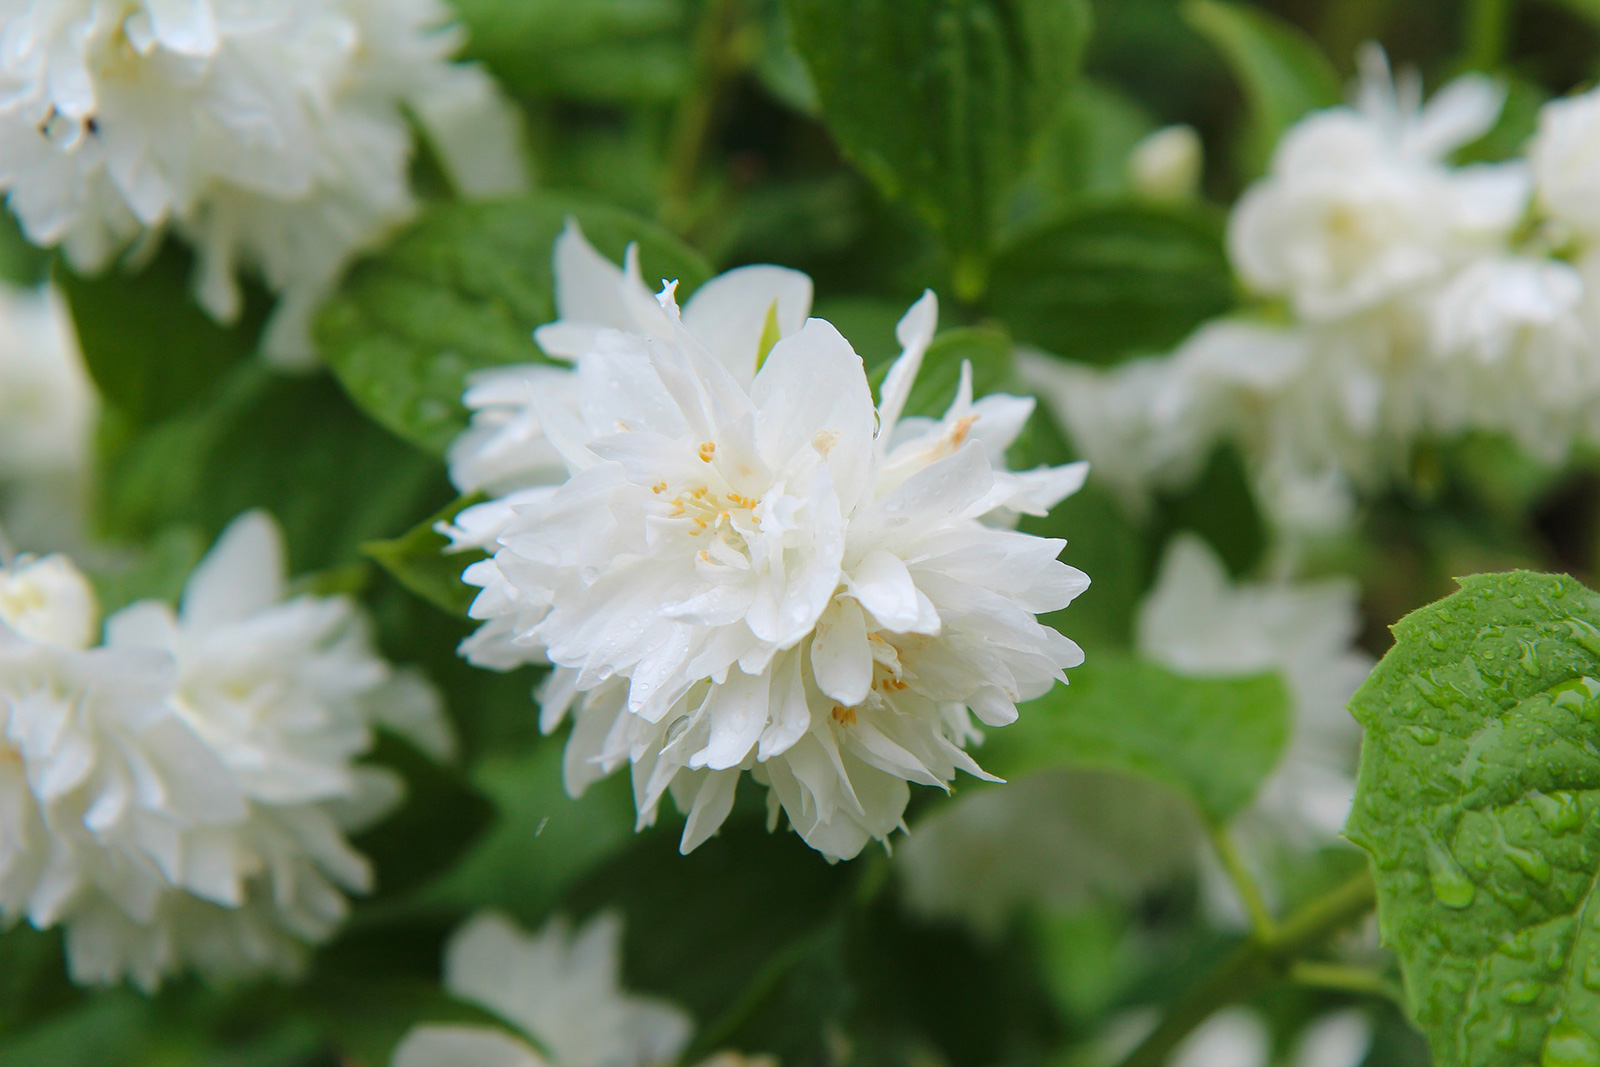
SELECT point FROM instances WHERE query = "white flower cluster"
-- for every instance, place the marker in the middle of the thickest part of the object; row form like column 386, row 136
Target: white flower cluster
column 272, row 137
column 178, row 796
column 1424, row 299
column 736, row 562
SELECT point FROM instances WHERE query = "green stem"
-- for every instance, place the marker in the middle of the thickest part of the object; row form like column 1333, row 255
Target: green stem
column 1257, row 964
column 695, row 118
column 1341, row 978
column 1484, row 39
column 1244, row 883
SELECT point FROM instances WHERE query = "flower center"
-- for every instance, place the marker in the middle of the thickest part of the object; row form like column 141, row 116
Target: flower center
column 723, row 520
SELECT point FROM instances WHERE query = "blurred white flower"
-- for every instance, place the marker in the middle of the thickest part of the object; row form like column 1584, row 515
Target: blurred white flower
column 47, row 599
column 1165, row 166
column 1238, row 1037
column 272, row 138
column 46, row 401
column 1565, row 155
column 286, row 692
column 561, row 988
column 108, row 800
column 748, row 567
column 1198, row 621
column 1361, row 206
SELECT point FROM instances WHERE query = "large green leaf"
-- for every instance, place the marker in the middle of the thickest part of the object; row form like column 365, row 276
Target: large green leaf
column 1114, row 281
column 464, row 289
column 1283, row 72
column 1479, row 801
column 1214, row 739
column 941, row 101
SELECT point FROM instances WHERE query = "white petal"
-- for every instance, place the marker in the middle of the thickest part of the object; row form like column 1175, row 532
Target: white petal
column 840, row 658
column 728, row 314
column 463, row 1046
column 243, row 573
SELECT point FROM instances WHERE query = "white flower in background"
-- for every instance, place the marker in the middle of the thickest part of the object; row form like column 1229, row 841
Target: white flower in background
column 286, row 692
column 274, row 139
column 1360, row 205
column 108, row 800
column 561, row 988
column 46, row 401
column 1565, row 155
column 1238, row 1037
column 1165, row 166
column 1057, row 842
column 1152, row 423
column 1198, row 621
column 1520, row 340
column 747, row 567
column 47, row 411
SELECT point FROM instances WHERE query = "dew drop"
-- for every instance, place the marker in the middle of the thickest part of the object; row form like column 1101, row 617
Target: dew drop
column 1451, row 886
column 1530, row 863
column 1425, row 735
column 1569, row 1046
column 1559, row 812
column 1530, row 658
column 1522, row 991
column 1591, row 975
column 1585, row 634
column 1437, row 643
column 1505, row 1035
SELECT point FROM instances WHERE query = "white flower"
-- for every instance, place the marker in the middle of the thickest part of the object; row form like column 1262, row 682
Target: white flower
column 108, row 801
column 747, row 567
column 286, row 692
column 272, row 138
column 1238, row 1037
column 1520, row 337
column 1360, row 205
column 1565, row 155
column 560, row 987
column 1165, row 165
column 47, row 599
column 1197, row 621
column 46, row 402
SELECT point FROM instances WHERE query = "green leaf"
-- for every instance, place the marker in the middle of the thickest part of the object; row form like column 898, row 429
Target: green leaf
column 418, row 560
column 1283, row 73
column 1479, row 801
column 986, row 349
column 941, row 102
column 441, row 818
column 20, row 262
column 1114, row 281
column 1214, row 739
column 543, row 840
column 600, row 50
column 1082, row 156
column 149, row 347
column 462, row 290
column 294, row 446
